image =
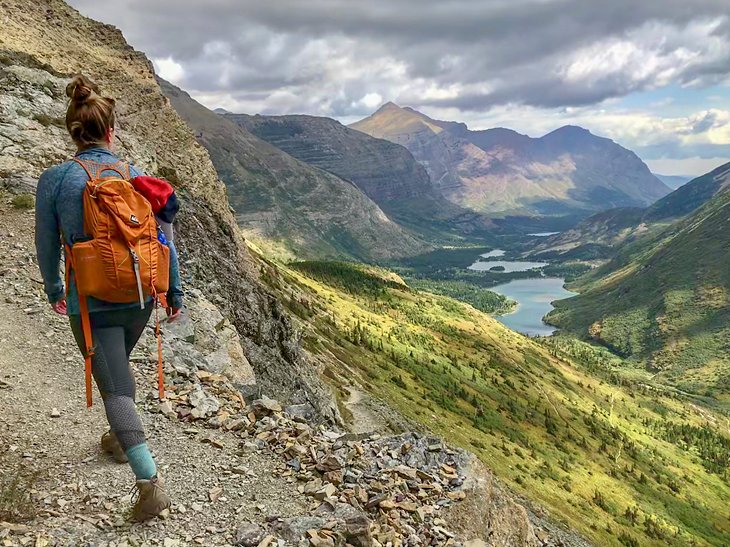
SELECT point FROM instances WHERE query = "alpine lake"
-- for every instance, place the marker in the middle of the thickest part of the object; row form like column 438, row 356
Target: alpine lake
column 534, row 296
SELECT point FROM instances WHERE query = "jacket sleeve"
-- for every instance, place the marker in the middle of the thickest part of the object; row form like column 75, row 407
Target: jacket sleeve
column 48, row 237
column 175, row 293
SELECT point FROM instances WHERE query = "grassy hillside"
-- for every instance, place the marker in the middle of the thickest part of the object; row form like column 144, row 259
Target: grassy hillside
column 663, row 301
column 565, row 424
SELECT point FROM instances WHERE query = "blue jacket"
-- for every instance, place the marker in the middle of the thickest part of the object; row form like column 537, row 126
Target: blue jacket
column 60, row 210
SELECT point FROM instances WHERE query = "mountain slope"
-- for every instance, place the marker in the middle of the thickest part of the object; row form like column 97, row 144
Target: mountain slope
column 611, row 228
column 595, row 237
column 673, row 181
column 385, row 171
column 499, row 170
column 690, row 196
column 563, row 423
column 306, row 212
column 664, row 301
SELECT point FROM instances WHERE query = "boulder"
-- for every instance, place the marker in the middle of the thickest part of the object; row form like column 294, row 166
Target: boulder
column 204, row 404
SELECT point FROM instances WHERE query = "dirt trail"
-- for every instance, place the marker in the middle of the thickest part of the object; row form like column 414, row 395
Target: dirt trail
column 81, row 495
column 364, row 420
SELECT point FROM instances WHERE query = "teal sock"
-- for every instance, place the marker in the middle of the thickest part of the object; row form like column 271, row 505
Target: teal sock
column 141, row 462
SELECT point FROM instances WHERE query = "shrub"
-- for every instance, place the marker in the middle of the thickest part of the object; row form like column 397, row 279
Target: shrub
column 599, row 500
column 397, row 380
column 23, row 201
column 628, row 540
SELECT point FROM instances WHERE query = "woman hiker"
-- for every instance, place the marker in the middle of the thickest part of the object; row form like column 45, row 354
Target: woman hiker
column 115, row 328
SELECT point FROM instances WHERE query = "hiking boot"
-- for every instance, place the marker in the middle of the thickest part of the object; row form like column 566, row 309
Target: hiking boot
column 110, row 445
column 152, row 502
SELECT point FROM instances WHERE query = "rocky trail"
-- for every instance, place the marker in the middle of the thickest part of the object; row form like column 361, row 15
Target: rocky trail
column 243, row 472
column 364, row 420
column 80, row 495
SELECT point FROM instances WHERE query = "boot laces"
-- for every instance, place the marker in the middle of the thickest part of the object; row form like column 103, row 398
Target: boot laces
column 134, row 494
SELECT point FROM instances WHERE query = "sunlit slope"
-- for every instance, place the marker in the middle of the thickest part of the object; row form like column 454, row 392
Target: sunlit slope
column 664, row 301
column 602, row 450
column 599, row 235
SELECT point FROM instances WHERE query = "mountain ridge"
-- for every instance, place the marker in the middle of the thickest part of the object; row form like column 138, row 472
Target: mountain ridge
column 500, row 170
column 628, row 224
column 386, row 172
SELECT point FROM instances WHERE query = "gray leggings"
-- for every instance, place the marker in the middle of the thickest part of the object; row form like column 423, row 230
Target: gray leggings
column 115, row 333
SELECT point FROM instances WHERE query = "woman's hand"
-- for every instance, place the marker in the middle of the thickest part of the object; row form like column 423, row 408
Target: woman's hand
column 173, row 313
column 60, row 307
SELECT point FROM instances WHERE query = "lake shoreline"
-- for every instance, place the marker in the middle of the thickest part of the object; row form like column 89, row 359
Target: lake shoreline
column 534, row 299
column 532, row 295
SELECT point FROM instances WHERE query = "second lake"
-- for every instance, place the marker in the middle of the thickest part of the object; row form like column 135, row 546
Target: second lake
column 508, row 265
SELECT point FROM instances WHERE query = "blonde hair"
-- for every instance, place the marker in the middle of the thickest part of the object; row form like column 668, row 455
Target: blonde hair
column 89, row 116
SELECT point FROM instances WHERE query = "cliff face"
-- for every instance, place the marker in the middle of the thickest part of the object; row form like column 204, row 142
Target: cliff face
column 383, row 170
column 308, row 212
column 41, row 45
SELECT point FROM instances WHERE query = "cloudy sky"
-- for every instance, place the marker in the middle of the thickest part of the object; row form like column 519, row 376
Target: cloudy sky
column 653, row 75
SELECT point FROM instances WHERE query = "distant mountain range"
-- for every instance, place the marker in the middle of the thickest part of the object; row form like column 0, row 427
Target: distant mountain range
column 295, row 209
column 398, row 182
column 673, row 181
column 501, row 171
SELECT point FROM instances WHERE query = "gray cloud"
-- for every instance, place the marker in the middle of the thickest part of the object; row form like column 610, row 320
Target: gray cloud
column 676, row 150
column 470, row 55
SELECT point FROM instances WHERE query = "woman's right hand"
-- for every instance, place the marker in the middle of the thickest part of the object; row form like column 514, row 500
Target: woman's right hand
column 60, row 307
column 173, row 314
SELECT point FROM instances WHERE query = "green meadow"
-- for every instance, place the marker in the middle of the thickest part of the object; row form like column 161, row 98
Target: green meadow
column 583, row 433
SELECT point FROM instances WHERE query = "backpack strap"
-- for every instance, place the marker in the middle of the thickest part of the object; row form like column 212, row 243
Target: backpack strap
column 160, row 372
column 85, row 328
column 94, row 169
column 88, row 167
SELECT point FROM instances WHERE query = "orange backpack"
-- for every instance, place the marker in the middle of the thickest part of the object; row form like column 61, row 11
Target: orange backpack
column 123, row 261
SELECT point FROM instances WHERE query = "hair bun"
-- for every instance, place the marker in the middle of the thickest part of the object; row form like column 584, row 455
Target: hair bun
column 81, row 88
